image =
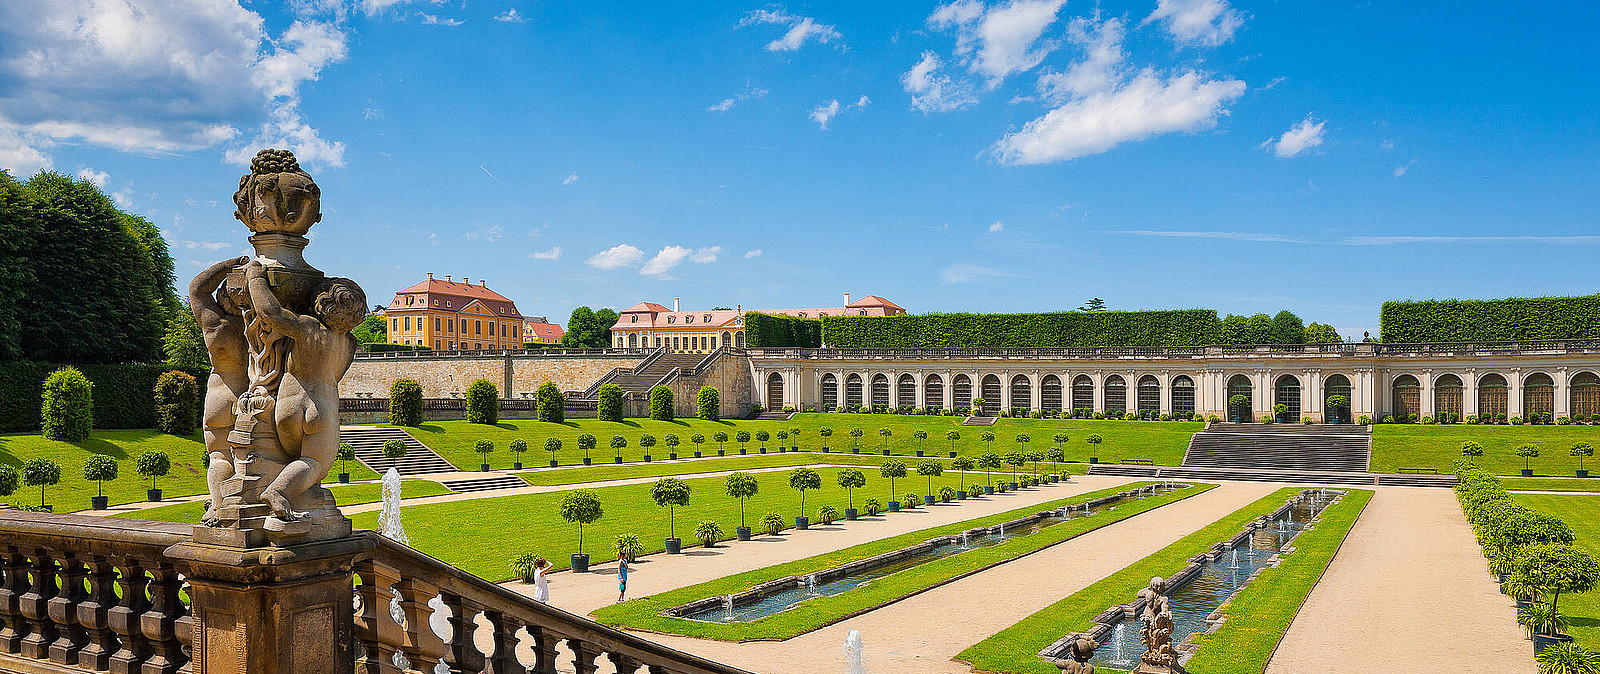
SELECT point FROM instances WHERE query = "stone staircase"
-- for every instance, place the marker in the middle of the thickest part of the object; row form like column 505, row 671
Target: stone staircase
column 368, row 441
column 775, row 416
column 484, row 483
column 979, row 421
column 1290, row 447
column 644, row 376
column 1267, row 475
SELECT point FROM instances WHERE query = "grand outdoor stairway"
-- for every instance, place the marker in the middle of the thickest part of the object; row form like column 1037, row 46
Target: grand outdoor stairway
column 368, row 441
column 640, row 378
column 484, row 483
column 1269, row 475
column 1302, row 447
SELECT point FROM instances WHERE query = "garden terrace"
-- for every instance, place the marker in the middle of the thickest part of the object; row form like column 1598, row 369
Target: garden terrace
column 1582, row 513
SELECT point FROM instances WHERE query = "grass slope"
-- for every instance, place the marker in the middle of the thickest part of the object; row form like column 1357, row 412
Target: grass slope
column 187, row 477
column 1261, row 612
column 1582, row 513
column 820, row 612
column 1161, row 441
column 344, row 494
column 1551, row 483
column 561, row 476
column 482, row 535
column 1415, row 446
column 1012, row 650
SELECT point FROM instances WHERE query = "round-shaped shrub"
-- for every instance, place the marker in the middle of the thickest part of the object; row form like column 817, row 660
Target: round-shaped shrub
column 177, row 399
column 68, row 410
column 708, row 404
column 99, row 469
column 609, row 407
column 772, row 524
column 551, row 406
column 661, row 403
column 155, row 464
column 708, row 532
column 483, row 402
column 405, row 403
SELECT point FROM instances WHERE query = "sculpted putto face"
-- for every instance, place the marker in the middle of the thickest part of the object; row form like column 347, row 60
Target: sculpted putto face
column 340, row 305
column 276, row 196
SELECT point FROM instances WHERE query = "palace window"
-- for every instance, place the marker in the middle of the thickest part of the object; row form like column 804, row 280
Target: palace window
column 408, row 324
column 1584, row 392
column 1538, row 395
column 633, row 319
column 671, row 319
column 706, row 318
column 477, row 327
column 436, row 323
column 1182, row 395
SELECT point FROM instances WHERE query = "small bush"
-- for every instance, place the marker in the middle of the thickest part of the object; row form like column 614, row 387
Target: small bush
column 68, row 410
column 871, row 506
column 827, row 514
column 772, row 523
column 177, row 400
column 405, row 403
column 551, row 407
column 1567, row 658
column 661, row 403
column 912, row 499
column 99, row 469
column 609, row 408
column 9, row 480
column 628, row 546
column 708, row 404
column 947, row 494
column 708, row 532
column 1364, row 420
column 483, row 402
column 523, row 566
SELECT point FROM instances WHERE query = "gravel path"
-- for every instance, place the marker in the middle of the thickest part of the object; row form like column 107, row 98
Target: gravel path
column 1409, row 586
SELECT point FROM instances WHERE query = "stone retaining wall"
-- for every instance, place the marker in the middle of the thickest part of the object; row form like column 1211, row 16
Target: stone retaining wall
column 514, row 374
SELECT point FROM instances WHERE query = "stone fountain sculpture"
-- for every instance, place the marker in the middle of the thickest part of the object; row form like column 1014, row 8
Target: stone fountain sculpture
column 1159, row 657
column 278, row 332
column 1078, row 652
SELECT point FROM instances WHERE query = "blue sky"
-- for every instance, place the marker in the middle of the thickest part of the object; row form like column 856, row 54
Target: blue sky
column 966, row 156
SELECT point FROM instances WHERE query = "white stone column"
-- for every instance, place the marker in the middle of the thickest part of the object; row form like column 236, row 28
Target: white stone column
column 1563, row 399
column 1099, row 380
column 1262, row 393
column 1165, row 378
column 1036, row 391
column 1469, row 393
column 1426, row 407
column 1514, row 396
column 1311, row 401
column 922, row 389
column 1005, row 389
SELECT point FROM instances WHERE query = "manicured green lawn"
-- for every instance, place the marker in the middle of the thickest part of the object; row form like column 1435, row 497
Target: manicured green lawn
column 820, row 612
column 186, row 478
column 1551, row 483
column 345, row 494
column 1012, row 650
column 1582, row 513
column 599, row 473
column 1163, row 442
column 482, row 535
column 1261, row 612
column 1416, row 446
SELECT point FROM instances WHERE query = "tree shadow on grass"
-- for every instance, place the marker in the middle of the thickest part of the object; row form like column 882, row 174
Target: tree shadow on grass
column 431, row 428
column 98, row 446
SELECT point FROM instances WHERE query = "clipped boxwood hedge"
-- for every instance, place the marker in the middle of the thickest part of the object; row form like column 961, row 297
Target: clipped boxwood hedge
column 124, row 395
column 1181, row 327
column 770, row 330
column 1490, row 320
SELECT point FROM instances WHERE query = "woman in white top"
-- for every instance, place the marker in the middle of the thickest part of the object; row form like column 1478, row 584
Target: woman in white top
column 541, row 583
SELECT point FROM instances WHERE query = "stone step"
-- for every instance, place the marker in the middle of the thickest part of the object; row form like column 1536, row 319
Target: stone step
column 484, row 483
column 1288, row 476
column 979, row 421
column 419, row 458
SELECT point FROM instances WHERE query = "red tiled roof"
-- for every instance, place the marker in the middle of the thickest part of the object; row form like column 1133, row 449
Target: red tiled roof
column 647, row 307
column 534, row 331
column 875, row 301
column 460, row 294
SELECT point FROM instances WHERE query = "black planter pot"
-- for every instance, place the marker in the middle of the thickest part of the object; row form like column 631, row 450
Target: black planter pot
column 802, row 523
column 674, row 546
column 344, row 478
column 672, row 457
column 894, row 506
column 885, row 452
column 742, row 533
column 952, row 455
column 763, row 450
column 919, row 452
column 516, row 465
column 586, row 461
column 1583, row 473
column 616, row 459
column 988, row 489
column 99, row 502
column 1543, row 641
column 855, row 450
column 483, row 467
column 1094, row 459
column 722, row 452
column 826, row 450
column 152, row 495
column 1013, row 486
column 741, row 451
column 850, row 513
column 1527, row 472
column 580, row 563
column 928, row 499
column 961, row 494
column 697, row 454
column 554, row 463
column 1524, row 603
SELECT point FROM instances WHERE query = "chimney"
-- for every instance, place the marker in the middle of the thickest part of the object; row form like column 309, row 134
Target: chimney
column 847, row 299
column 430, row 276
column 674, row 304
column 447, row 278
column 466, row 280
column 738, row 308
column 483, row 283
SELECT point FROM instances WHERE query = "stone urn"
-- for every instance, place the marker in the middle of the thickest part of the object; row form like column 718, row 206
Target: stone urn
column 674, row 546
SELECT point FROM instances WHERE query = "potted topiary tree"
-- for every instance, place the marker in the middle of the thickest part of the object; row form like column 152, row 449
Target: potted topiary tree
column 1280, row 413
column 794, row 438
column 761, row 441
column 782, row 437
column 988, row 441
column 697, row 440
column 618, row 443
column 892, row 470
column 978, row 405
column 671, row 493
column 826, row 433
column 98, row 469
column 586, row 442
column 1471, row 450
column 1338, row 409
column 722, row 442
column 1056, row 455
column 41, row 473
column 989, row 462
column 921, row 437
column 552, row 445
column 672, row 442
column 930, row 470
column 855, row 440
column 885, row 433
column 827, row 514
column 646, row 441
column 952, row 436
column 1582, row 450
column 518, row 447
column 851, row 479
column 484, row 448
column 963, row 464
column 581, row 507
column 347, row 453
column 156, row 464
column 803, row 480
column 1094, row 447
column 741, row 437
column 1034, row 457
column 708, row 532
column 1556, row 569
column 1015, row 461
column 741, row 485
column 393, row 450
column 1528, row 454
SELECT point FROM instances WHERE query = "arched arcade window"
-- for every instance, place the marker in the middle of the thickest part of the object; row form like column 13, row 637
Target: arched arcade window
column 1082, row 393
column 1407, row 400
column 1494, row 398
column 1182, row 396
column 1584, row 395
column 908, row 390
column 774, row 391
column 1239, row 385
column 1335, row 389
column 852, row 389
column 933, row 391
column 1021, row 392
column 1448, row 402
column 1286, row 392
column 1538, row 396
column 1116, row 396
column 961, row 392
column 990, row 392
column 1149, row 394
column 880, row 390
column 830, row 391
column 1050, row 393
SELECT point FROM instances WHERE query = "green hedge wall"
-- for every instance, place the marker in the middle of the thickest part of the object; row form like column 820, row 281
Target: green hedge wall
column 1183, row 327
column 768, row 330
column 1490, row 320
column 124, row 395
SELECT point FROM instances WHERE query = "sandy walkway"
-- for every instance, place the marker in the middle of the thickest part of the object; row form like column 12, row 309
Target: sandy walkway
column 923, row 633
column 1409, row 586
column 582, row 593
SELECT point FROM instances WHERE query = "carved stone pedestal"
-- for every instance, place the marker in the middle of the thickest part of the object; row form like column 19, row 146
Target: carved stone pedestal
column 1147, row 668
column 272, row 610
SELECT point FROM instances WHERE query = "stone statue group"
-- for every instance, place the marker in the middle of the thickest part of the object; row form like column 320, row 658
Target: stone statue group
column 1156, row 634
column 278, row 333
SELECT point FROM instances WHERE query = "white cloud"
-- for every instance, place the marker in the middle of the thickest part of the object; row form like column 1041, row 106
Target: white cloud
column 1401, row 169
column 934, row 91
column 620, row 255
column 1147, row 106
column 1198, row 22
column 997, row 226
column 971, row 273
column 431, row 20
column 1100, row 67
column 511, row 16
column 123, row 197
column 154, row 76
column 570, row 179
column 998, row 41
column 705, row 255
column 19, row 156
column 802, row 29
column 1298, row 140
column 212, row 246
column 97, row 178
column 665, row 260
column 727, row 104
column 753, row 253
column 825, row 112
column 493, row 233
column 553, row 254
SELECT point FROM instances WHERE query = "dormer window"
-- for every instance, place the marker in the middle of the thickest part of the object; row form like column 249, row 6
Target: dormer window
column 634, row 318
column 408, row 300
column 738, row 321
column 822, row 314
column 689, row 318
column 671, row 319
column 706, row 318
column 863, row 312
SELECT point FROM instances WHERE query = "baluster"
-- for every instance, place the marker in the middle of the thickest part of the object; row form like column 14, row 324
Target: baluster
column 159, row 621
column 93, row 614
column 12, row 625
column 63, row 610
column 35, row 605
column 375, row 629
column 185, row 629
column 544, row 650
column 658, row 669
column 623, row 663
column 504, row 659
column 124, row 618
column 583, row 656
column 464, row 653
column 422, row 646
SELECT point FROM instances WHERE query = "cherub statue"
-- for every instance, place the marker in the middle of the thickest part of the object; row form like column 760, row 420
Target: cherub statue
column 1078, row 653
column 1156, row 634
column 222, row 327
column 306, row 412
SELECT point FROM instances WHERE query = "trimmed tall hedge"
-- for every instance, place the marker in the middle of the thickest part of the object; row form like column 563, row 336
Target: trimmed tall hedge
column 405, row 403
column 68, row 410
column 177, row 398
column 550, row 404
column 708, row 404
column 1182, row 327
column 609, row 407
column 122, row 393
column 770, row 330
column 1490, row 320
column 661, row 403
column 483, row 402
